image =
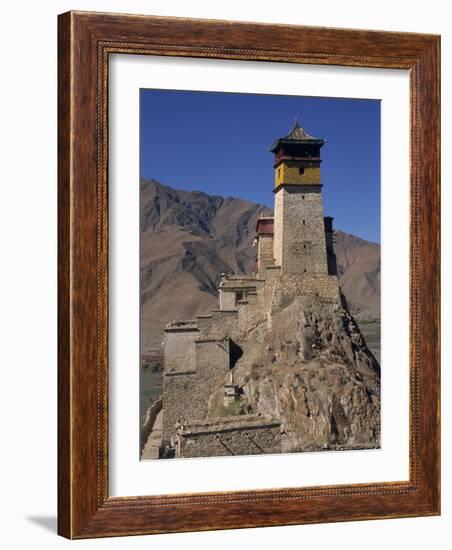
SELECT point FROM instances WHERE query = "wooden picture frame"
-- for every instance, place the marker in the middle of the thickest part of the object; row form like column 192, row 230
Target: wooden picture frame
column 86, row 40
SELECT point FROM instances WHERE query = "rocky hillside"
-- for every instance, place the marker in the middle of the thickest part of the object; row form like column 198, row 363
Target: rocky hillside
column 189, row 238
column 309, row 367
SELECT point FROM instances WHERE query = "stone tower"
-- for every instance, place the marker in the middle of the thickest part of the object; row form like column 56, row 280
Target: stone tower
column 299, row 244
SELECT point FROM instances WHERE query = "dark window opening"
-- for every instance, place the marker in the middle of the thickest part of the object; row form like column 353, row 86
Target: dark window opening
column 235, row 352
column 301, row 170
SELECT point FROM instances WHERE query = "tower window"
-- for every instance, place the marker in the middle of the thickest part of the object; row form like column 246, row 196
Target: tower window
column 304, row 222
column 302, row 196
column 301, row 170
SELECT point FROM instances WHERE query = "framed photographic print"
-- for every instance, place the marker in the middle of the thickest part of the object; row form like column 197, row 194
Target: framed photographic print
column 248, row 275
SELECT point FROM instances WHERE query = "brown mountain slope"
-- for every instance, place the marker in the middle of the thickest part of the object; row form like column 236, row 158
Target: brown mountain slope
column 359, row 272
column 189, row 238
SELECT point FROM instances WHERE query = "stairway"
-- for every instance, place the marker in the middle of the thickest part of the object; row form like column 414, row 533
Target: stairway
column 151, row 448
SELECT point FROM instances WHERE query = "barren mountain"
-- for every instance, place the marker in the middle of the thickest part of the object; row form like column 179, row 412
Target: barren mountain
column 358, row 264
column 189, row 238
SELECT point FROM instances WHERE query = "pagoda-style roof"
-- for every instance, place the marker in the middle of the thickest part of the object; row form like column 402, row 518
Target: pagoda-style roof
column 297, row 135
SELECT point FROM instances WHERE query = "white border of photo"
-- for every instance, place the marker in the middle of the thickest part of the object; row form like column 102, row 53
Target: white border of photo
column 130, row 476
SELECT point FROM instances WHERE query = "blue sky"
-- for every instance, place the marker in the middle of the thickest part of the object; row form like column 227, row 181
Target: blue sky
column 218, row 143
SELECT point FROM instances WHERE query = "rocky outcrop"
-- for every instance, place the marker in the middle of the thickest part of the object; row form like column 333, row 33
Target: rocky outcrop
column 308, row 366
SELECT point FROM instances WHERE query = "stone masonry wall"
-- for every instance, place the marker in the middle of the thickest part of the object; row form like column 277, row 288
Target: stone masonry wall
column 251, row 311
column 179, row 404
column 264, row 252
column 212, row 364
column 278, row 227
column 287, row 287
column 300, row 238
column 227, row 440
column 221, row 324
column 227, row 299
column 178, row 369
column 179, row 350
column 186, row 393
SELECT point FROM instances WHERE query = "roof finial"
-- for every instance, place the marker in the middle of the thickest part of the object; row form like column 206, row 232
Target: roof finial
column 295, row 122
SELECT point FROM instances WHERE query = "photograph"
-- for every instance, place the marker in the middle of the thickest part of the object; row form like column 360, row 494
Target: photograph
column 259, row 274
